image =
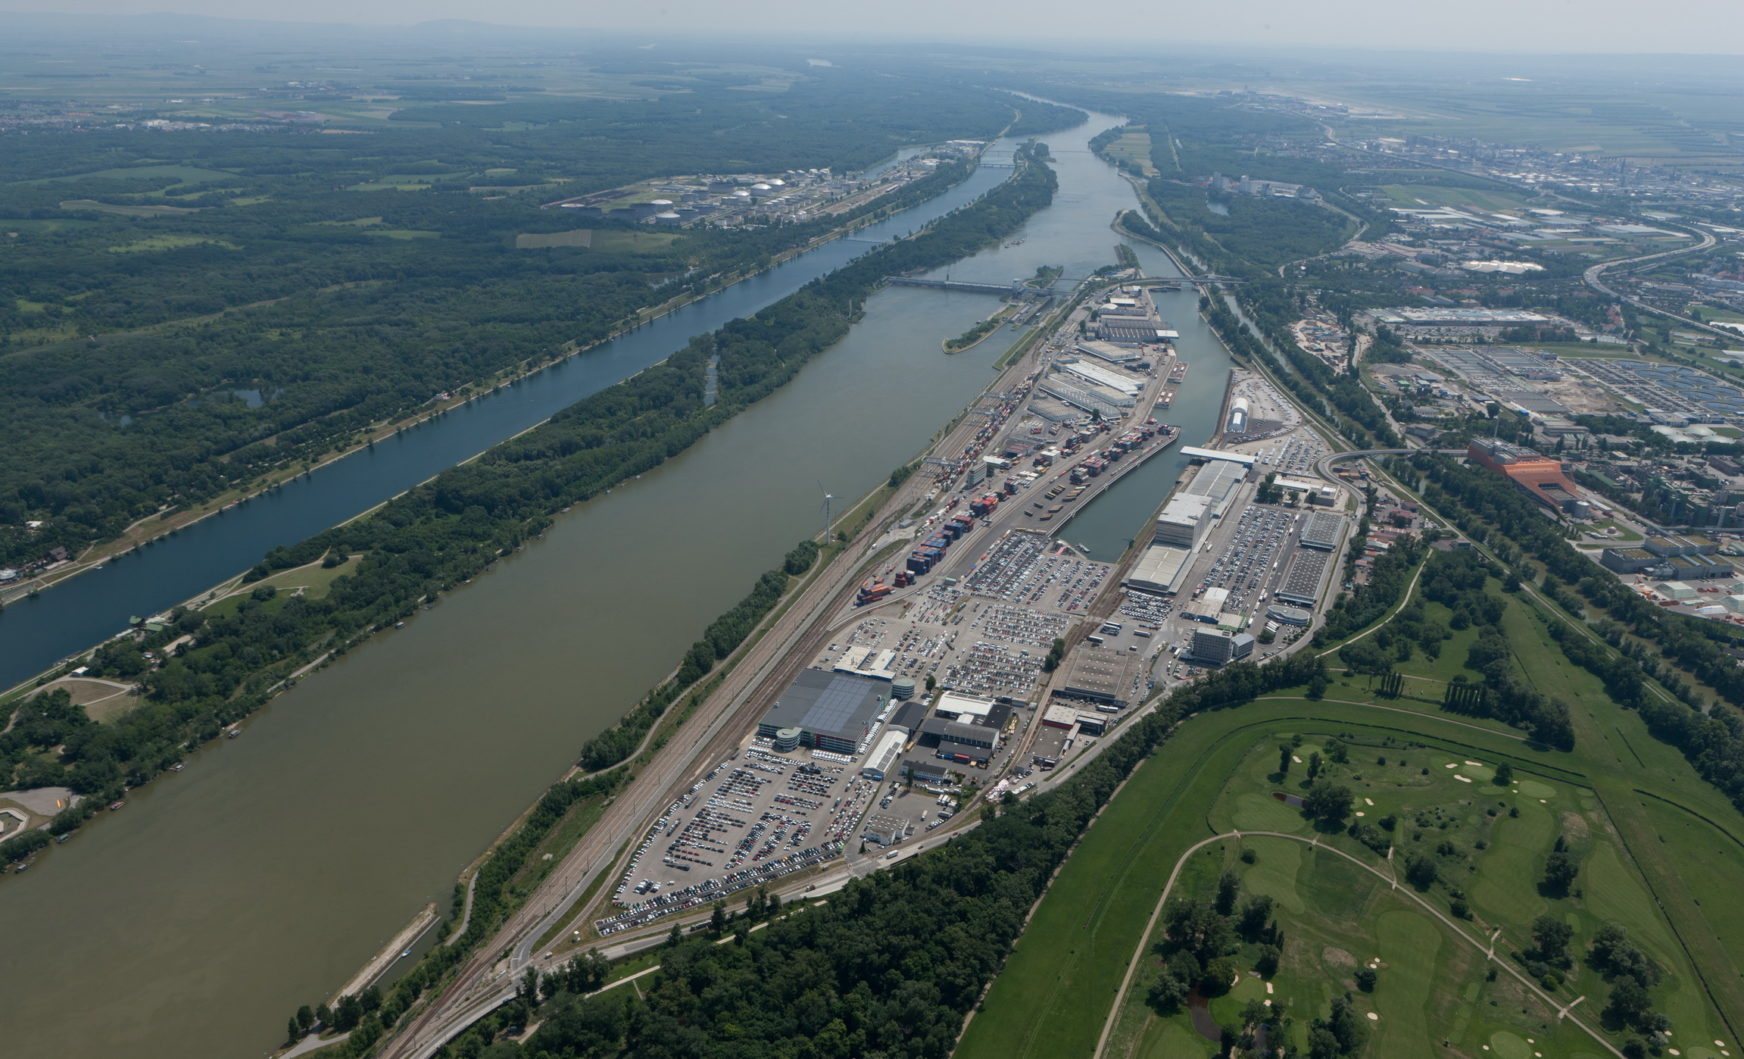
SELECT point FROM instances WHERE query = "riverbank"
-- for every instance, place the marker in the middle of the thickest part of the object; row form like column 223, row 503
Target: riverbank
column 390, row 727
column 980, row 333
column 153, row 528
column 389, row 585
column 399, row 945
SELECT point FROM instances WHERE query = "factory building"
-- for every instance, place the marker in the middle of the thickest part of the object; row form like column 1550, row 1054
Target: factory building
column 832, row 711
column 1697, row 568
column 1679, row 547
column 1539, row 477
column 959, row 742
column 969, row 709
column 1628, row 560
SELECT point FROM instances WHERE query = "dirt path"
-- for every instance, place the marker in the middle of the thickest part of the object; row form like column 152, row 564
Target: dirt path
column 1484, row 946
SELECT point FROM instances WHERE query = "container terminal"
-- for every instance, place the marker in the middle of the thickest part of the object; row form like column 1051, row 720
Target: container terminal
column 932, row 680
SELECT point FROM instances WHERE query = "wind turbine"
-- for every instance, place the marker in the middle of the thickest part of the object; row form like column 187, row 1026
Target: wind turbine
column 827, row 499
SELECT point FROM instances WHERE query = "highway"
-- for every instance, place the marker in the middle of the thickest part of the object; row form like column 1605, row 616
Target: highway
column 1594, row 277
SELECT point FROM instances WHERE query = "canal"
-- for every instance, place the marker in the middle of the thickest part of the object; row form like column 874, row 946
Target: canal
column 194, row 921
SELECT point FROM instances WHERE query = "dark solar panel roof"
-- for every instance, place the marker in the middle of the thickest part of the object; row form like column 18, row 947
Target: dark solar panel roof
column 837, row 704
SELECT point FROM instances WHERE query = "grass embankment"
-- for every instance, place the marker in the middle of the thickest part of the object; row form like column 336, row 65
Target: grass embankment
column 1658, row 849
column 979, row 333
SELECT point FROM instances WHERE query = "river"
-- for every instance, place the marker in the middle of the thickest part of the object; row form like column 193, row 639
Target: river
column 36, row 633
column 195, row 921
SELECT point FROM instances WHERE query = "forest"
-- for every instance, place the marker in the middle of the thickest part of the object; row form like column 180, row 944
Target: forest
column 188, row 310
column 432, row 538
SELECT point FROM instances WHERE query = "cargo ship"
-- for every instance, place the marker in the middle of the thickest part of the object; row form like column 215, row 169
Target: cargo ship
column 1177, row 373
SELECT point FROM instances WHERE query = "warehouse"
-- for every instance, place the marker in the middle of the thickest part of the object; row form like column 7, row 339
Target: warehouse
column 1100, row 674
column 1183, row 520
column 1215, row 481
column 1301, row 583
column 833, row 711
column 1059, row 715
column 1119, row 356
column 1322, row 530
column 1103, row 377
column 885, row 755
column 1160, row 570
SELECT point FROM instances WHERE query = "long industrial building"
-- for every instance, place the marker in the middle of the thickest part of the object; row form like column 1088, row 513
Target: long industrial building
column 1100, row 376
column 1538, row 476
column 1323, row 530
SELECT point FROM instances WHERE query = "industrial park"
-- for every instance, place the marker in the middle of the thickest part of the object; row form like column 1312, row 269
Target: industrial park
column 731, row 200
column 984, row 648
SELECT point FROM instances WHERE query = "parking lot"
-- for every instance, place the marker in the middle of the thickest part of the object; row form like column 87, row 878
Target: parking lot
column 1031, row 570
column 1297, row 455
column 1247, row 563
column 752, row 819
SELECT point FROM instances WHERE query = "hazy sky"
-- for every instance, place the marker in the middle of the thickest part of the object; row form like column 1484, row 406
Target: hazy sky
column 1689, row 26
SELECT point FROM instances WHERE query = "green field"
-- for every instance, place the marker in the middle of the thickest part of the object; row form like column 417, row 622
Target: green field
column 1425, row 196
column 127, row 211
column 395, row 182
column 182, row 175
column 310, row 582
column 1133, row 146
column 1659, row 851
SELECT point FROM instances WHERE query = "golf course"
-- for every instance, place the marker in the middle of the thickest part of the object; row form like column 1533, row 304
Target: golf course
column 1433, row 881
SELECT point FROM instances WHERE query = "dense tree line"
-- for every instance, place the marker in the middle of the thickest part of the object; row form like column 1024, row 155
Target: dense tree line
column 1274, row 305
column 1490, row 509
column 156, row 361
column 1389, row 579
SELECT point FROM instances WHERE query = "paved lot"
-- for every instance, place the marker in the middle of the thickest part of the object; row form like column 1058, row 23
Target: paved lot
column 752, row 819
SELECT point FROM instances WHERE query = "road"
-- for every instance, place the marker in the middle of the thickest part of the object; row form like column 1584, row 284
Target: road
column 1594, row 277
